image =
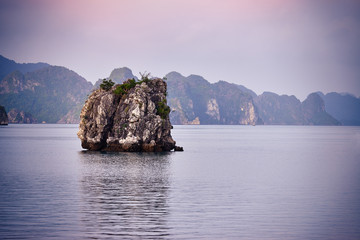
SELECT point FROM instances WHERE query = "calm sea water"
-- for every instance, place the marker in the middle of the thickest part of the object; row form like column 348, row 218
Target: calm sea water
column 231, row 182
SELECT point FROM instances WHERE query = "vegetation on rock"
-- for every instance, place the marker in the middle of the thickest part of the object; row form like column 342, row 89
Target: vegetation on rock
column 162, row 109
column 118, row 76
column 125, row 87
column 106, row 84
column 133, row 117
column 131, row 83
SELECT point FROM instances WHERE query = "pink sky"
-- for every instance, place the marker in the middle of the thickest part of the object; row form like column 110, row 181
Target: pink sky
column 285, row 46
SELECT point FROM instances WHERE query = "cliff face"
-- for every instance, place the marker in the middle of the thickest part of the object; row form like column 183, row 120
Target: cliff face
column 288, row 110
column 48, row 94
column 314, row 111
column 194, row 100
column 127, row 117
column 235, row 105
column 51, row 94
column 16, row 116
column 282, row 110
column 344, row 107
column 3, row 116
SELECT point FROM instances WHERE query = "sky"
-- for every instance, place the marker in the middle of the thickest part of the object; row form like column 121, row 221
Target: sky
column 292, row 47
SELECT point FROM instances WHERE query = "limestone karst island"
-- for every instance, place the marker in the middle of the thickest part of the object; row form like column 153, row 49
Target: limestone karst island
column 128, row 117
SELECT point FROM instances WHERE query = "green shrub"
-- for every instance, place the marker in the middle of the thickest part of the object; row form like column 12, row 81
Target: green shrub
column 162, row 109
column 119, row 90
column 131, row 83
column 125, row 87
column 106, row 84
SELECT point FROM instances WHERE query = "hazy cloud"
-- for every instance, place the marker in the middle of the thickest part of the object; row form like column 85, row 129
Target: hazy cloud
column 293, row 47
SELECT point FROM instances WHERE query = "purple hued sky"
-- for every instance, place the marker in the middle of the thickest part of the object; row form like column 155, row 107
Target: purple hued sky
column 292, row 47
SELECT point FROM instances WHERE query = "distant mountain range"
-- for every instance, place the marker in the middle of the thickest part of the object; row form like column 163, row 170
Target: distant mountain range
column 118, row 75
column 43, row 93
column 344, row 107
column 194, row 100
column 288, row 110
column 47, row 93
column 8, row 66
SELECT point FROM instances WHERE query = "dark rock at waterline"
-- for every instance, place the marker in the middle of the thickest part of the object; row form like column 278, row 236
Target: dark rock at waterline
column 3, row 116
column 179, row 149
column 131, row 117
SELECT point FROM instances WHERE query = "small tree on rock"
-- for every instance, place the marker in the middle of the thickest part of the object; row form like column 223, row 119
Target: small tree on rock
column 106, row 84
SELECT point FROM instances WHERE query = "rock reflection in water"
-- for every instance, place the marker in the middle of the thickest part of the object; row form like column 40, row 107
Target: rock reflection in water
column 125, row 194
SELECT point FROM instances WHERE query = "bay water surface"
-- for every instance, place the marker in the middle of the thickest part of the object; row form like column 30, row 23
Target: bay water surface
column 231, row 182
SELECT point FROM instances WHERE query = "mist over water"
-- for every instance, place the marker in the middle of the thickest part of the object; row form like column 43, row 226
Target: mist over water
column 231, row 182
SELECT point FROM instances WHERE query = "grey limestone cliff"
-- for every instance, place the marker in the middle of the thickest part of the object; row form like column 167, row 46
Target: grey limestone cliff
column 194, row 100
column 343, row 106
column 131, row 117
column 315, row 113
column 288, row 110
column 17, row 116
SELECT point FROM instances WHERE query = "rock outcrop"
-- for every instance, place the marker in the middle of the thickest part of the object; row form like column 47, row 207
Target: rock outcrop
column 288, row 110
column 51, row 94
column 279, row 110
column 131, row 117
column 3, row 116
column 16, row 116
column 315, row 113
column 194, row 100
column 343, row 107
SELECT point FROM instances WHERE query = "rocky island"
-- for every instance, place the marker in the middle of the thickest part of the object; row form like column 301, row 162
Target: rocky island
column 128, row 117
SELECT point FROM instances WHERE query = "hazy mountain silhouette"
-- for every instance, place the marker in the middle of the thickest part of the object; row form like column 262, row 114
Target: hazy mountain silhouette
column 7, row 66
column 56, row 94
column 344, row 107
column 48, row 94
column 118, row 75
column 288, row 110
column 194, row 100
